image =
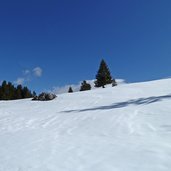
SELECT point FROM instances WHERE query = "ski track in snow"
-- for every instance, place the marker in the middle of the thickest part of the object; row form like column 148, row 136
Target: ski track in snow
column 124, row 128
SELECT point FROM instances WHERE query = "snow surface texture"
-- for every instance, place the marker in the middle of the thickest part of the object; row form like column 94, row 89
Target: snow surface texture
column 123, row 128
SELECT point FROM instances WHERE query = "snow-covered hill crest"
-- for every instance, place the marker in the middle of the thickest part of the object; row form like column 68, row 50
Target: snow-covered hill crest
column 123, row 128
column 76, row 87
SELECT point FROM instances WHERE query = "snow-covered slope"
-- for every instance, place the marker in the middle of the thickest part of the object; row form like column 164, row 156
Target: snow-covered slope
column 123, row 128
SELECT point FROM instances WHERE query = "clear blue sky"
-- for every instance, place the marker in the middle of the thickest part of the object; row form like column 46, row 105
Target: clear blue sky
column 67, row 39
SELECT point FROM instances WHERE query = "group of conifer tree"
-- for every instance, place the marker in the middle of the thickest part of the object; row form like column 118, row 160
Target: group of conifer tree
column 9, row 92
column 103, row 78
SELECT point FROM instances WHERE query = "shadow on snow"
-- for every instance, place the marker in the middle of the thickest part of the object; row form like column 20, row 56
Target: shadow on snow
column 140, row 101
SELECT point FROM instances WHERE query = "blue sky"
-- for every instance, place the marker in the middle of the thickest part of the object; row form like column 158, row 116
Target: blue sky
column 52, row 43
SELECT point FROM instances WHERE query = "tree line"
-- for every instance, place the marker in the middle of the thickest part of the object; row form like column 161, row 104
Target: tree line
column 9, row 92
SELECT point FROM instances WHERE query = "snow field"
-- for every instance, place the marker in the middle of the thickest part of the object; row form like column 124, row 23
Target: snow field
column 123, row 128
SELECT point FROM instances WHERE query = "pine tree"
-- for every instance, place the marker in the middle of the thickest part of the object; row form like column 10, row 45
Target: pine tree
column 85, row 86
column 4, row 90
column 26, row 93
column 10, row 91
column 1, row 93
column 103, row 76
column 70, row 90
column 19, row 92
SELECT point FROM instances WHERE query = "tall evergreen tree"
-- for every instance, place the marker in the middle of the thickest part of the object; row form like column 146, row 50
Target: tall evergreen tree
column 4, row 91
column 10, row 91
column 19, row 93
column 70, row 90
column 26, row 93
column 103, row 76
column 85, row 86
column 0, row 92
